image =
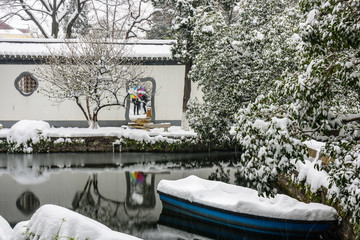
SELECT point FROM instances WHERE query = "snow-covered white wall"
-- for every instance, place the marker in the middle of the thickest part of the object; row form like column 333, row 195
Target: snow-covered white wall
column 14, row 106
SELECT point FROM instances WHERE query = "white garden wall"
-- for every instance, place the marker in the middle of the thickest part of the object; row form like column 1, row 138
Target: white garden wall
column 14, row 106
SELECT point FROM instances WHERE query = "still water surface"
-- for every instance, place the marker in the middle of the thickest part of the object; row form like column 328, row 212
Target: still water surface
column 116, row 189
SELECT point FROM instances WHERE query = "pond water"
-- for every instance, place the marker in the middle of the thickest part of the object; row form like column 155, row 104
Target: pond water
column 116, row 189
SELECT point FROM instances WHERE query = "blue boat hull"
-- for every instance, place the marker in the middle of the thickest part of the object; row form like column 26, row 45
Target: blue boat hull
column 265, row 226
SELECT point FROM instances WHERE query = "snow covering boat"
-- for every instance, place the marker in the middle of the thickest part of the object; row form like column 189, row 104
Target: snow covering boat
column 238, row 208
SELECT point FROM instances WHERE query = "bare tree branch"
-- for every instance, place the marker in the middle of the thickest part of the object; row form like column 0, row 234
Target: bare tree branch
column 43, row 12
column 93, row 72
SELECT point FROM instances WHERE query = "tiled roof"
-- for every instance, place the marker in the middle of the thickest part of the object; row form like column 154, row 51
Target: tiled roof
column 34, row 48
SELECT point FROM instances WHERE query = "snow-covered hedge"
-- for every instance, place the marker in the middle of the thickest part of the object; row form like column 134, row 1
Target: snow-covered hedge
column 27, row 136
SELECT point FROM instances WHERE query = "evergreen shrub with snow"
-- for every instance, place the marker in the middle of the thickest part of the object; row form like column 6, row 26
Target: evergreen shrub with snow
column 331, row 92
column 239, row 60
column 320, row 100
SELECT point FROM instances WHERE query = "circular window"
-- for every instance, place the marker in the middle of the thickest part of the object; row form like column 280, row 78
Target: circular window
column 26, row 84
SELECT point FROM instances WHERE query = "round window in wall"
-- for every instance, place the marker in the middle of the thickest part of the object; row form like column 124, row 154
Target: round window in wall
column 26, row 83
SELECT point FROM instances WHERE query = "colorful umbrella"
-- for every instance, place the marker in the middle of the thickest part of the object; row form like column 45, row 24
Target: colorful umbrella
column 134, row 91
column 141, row 91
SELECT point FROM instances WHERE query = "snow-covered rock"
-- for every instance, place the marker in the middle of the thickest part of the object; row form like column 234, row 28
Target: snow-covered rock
column 50, row 221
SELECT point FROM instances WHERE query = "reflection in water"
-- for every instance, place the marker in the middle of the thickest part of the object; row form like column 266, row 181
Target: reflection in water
column 140, row 190
column 214, row 230
column 115, row 214
column 116, row 189
column 209, row 230
column 27, row 202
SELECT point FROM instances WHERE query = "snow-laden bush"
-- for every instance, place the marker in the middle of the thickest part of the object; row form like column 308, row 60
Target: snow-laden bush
column 24, row 135
column 328, row 91
column 208, row 120
column 269, row 145
column 318, row 99
column 236, row 62
column 344, row 178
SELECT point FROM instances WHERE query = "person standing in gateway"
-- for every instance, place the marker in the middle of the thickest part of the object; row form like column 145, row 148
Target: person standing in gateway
column 144, row 100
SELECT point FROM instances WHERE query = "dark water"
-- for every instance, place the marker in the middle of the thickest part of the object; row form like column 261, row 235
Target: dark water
column 116, row 189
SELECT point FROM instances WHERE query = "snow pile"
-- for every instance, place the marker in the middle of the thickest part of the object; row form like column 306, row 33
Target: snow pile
column 5, row 229
column 125, row 132
column 52, row 221
column 245, row 200
column 26, row 130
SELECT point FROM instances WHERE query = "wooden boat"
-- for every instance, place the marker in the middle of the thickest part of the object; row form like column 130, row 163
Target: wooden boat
column 241, row 209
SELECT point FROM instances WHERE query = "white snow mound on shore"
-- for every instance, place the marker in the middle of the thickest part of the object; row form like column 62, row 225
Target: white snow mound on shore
column 51, row 220
column 5, row 230
column 25, row 130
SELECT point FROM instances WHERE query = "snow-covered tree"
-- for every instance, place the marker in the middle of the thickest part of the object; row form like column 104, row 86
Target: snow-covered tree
column 60, row 18
column 122, row 18
column 93, row 72
column 237, row 62
column 81, row 24
column 185, row 15
column 327, row 97
column 320, row 101
column 49, row 16
column 161, row 23
column 183, row 25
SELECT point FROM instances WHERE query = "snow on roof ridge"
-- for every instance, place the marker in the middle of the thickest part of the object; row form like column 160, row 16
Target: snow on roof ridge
column 58, row 40
column 39, row 47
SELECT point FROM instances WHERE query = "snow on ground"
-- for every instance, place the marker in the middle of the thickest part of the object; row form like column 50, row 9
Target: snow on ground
column 245, row 200
column 31, row 129
column 50, row 221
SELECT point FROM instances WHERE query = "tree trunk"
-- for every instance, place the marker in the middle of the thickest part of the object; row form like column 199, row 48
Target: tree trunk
column 186, row 96
column 187, row 87
column 54, row 27
column 93, row 124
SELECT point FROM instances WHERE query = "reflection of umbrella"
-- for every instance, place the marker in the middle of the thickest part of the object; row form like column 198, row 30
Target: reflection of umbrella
column 138, row 177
